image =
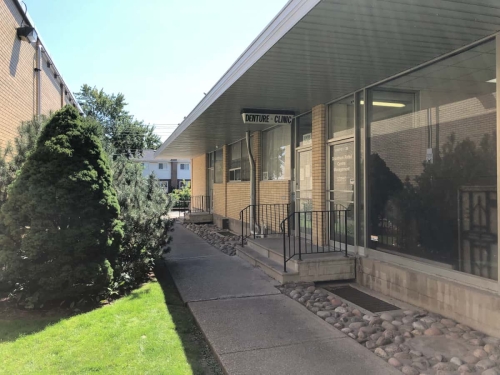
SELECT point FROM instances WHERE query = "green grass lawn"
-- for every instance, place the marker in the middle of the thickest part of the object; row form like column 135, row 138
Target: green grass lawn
column 147, row 332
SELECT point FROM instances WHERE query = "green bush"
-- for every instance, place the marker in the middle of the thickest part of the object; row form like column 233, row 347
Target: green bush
column 144, row 206
column 61, row 235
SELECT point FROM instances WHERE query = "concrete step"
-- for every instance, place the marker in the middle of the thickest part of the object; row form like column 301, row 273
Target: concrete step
column 269, row 266
column 271, row 253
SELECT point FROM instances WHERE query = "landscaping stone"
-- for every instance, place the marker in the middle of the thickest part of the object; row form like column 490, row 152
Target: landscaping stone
column 381, row 353
column 445, row 366
column 433, row 332
column 416, row 342
column 419, row 326
column 394, row 362
column 386, row 316
column 480, row 353
column 209, row 232
column 491, row 371
column 323, row 314
column 485, row 364
column 457, row 361
column 466, row 369
column 476, row 342
column 388, row 326
column 490, row 349
column 408, row 370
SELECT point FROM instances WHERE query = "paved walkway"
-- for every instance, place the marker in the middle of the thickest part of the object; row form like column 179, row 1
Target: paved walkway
column 251, row 326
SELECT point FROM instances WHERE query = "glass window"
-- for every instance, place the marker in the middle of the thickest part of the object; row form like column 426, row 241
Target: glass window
column 160, row 166
column 185, row 167
column 341, row 118
column 218, row 167
column 432, row 165
column 276, row 154
column 239, row 165
column 360, row 171
column 304, row 130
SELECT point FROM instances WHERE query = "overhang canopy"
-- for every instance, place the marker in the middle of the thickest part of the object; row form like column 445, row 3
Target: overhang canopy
column 315, row 51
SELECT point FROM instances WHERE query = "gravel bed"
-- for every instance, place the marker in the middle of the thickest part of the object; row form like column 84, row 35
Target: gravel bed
column 226, row 244
column 414, row 341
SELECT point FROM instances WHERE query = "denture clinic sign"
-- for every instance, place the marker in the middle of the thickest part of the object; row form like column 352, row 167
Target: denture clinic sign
column 266, row 119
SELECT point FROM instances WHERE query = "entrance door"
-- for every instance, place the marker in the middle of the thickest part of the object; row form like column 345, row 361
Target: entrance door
column 341, row 192
column 303, row 192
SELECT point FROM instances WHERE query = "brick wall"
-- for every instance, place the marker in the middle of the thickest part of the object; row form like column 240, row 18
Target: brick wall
column 18, row 79
column 238, row 197
column 199, row 176
column 274, row 192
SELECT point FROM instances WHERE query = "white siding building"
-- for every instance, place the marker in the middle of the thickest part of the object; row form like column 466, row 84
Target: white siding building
column 171, row 172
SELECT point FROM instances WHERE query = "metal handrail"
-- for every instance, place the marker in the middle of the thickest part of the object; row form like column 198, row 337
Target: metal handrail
column 320, row 228
column 267, row 219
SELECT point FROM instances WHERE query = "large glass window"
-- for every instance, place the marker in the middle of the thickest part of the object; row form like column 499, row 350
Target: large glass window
column 341, row 118
column 304, row 130
column 239, row 165
column 276, row 153
column 218, row 167
column 432, row 180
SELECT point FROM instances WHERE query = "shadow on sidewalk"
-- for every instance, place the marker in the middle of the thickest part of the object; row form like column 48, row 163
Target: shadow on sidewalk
column 198, row 353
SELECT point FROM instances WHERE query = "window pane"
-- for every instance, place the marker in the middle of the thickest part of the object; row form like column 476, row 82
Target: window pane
column 341, row 118
column 304, row 130
column 276, row 153
column 432, row 164
column 235, row 155
column 245, row 163
column 218, row 167
column 360, row 172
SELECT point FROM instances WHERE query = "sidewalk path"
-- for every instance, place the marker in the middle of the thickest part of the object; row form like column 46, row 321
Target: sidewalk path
column 251, row 326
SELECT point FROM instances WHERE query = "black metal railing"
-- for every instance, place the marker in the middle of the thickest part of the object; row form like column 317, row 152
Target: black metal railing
column 316, row 232
column 182, row 205
column 201, row 203
column 267, row 219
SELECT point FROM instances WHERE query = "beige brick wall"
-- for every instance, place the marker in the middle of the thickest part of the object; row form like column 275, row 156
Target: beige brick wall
column 238, row 197
column 199, row 176
column 18, row 78
column 274, row 192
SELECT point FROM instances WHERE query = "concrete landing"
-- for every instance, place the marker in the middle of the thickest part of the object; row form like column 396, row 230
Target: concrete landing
column 252, row 328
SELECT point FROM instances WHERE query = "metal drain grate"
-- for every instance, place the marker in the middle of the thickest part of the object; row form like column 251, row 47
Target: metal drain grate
column 361, row 299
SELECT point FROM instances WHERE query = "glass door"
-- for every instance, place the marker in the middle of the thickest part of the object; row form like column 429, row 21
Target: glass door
column 303, row 192
column 341, row 191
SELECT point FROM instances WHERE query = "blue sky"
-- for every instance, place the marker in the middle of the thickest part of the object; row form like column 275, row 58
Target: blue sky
column 161, row 54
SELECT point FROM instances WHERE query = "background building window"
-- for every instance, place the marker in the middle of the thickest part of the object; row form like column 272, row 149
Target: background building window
column 239, row 165
column 218, row 167
column 184, row 166
column 432, row 165
column 160, row 166
column 276, row 153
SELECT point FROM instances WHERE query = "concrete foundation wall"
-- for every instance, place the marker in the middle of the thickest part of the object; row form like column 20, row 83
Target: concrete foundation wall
column 471, row 306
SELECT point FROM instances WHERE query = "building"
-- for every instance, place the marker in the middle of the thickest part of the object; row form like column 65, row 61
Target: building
column 371, row 125
column 172, row 173
column 31, row 84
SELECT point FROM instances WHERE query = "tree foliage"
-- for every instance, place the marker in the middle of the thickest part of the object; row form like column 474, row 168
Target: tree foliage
column 144, row 208
column 62, row 234
column 127, row 135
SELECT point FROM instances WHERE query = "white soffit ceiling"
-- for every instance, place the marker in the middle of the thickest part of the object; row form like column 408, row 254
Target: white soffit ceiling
column 317, row 52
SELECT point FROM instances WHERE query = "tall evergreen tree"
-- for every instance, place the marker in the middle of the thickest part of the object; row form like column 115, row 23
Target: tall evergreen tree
column 62, row 233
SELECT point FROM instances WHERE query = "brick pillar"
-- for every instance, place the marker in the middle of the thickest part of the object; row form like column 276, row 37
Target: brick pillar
column 319, row 168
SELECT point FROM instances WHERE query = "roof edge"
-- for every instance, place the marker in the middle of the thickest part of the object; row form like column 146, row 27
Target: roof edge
column 288, row 17
column 27, row 18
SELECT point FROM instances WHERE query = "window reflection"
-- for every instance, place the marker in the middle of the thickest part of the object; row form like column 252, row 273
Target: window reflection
column 432, row 164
